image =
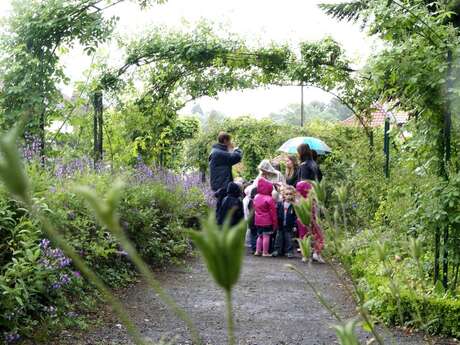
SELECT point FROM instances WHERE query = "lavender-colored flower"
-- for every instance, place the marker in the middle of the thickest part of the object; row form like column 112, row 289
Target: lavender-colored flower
column 64, row 170
column 64, row 262
column 64, row 279
column 44, row 244
column 11, row 337
column 77, row 274
column 54, row 259
column 32, row 148
column 172, row 181
column 56, row 286
column 46, row 263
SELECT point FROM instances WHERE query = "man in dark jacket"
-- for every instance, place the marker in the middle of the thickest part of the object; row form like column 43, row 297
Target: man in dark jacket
column 232, row 204
column 221, row 160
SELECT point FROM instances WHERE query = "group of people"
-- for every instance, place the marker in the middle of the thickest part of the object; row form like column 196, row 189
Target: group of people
column 267, row 203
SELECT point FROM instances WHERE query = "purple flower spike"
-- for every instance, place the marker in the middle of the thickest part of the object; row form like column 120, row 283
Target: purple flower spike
column 64, row 280
column 44, row 244
column 56, row 286
column 12, row 337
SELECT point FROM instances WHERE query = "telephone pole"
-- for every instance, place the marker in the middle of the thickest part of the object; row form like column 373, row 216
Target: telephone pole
column 302, row 119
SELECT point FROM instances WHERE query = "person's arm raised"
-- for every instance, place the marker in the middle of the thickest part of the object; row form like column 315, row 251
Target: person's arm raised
column 235, row 156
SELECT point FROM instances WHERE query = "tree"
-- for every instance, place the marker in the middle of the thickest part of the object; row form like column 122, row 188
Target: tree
column 36, row 33
column 416, row 69
column 340, row 111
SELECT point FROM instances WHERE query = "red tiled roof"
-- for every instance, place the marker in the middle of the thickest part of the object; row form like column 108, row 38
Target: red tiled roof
column 378, row 119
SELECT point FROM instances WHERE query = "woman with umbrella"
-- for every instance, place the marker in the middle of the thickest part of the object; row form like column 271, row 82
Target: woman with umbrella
column 308, row 169
column 303, row 146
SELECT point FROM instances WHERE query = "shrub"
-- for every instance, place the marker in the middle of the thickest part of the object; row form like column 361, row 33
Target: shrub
column 39, row 287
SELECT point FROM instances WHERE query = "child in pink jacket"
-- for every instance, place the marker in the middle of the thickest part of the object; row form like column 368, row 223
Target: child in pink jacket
column 266, row 217
column 304, row 188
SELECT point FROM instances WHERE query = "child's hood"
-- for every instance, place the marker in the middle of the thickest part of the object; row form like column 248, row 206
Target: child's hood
column 266, row 166
column 303, row 188
column 248, row 190
column 264, row 187
column 233, row 190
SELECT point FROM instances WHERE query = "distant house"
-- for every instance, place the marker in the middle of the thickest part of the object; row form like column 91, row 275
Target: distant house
column 377, row 118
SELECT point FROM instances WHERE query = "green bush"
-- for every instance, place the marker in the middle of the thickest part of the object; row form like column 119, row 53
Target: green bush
column 39, row 289
column 152, row 216
column 439, row 315
column 410, row 204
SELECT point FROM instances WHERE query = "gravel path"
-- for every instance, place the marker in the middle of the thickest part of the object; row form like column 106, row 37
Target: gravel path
column 272, row 307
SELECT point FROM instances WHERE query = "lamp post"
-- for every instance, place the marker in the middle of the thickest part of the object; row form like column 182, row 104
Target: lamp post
column 302, row 119
column 386, row 146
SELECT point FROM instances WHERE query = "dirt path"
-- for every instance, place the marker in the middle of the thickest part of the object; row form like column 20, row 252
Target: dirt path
column 272, row 307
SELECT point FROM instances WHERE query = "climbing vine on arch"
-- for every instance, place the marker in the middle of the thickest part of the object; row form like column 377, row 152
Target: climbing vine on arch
column 177, row 67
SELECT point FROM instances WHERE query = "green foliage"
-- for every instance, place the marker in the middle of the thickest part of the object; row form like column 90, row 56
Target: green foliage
column 304, row 210
column 305, row 247
column 222, row 250
column 37, row 31
column 152, row 215
column 250, row 135
column 11, row 170
column 346, row 333
column 160, row 140
column 388, row 227
column 157, row 230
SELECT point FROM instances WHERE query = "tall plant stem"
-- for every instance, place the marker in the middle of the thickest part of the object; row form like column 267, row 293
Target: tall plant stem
column 365, row 315
column 344, row 215
column 437, row 244
column 318, row 295
column 230, row 325
column 454, row 283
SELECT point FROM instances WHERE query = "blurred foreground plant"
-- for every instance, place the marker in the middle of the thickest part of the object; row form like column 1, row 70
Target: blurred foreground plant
column 222, row 250
column 17, row 183
column 305, row 248
column 105, row 211
column 304, row 209
column 345, row 332
column 13, row 175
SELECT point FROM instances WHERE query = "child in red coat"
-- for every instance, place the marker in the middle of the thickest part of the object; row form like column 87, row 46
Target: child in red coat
column 304, row 188
column 265, row 216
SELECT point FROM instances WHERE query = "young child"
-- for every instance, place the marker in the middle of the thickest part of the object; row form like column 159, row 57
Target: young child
column 231, row 203
column 303, row 188
column 246, row 200
column 266, row 217
column 286, row 222
column 251, row 221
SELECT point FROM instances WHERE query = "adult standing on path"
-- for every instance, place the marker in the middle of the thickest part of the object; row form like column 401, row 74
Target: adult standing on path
column 221, row 160
column 292, row 170
column 308, row 168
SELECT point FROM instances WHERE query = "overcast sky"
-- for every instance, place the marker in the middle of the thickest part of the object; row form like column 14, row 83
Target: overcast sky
column 290, row 21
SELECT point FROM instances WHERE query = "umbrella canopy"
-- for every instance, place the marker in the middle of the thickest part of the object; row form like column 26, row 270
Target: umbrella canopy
column 316, row 144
